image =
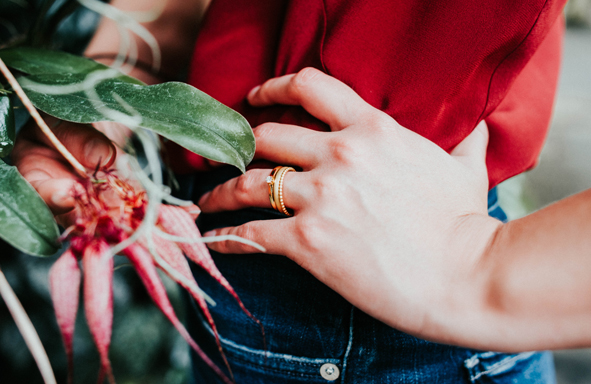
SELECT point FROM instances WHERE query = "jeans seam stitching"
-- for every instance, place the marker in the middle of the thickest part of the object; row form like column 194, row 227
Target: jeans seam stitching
column 267, row 368
column 501, row 363
column 349, row 344
column 239, row 350
column 494, row 206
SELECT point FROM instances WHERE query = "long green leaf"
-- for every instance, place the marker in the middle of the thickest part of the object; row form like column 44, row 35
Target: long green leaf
column 25, row 221
column 7, row 132
column 177, row 111
column 38, row 61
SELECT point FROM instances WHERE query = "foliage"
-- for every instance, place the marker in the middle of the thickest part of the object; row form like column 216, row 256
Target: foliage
column 31, row 230
column 77, row 89
column 70, row 87
column 7, row 128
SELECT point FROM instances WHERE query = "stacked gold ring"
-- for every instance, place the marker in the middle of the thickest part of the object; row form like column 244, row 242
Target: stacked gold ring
column 275, row 183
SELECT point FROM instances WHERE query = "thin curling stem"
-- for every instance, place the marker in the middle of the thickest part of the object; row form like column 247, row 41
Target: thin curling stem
column 40, row 122
column 27, row 330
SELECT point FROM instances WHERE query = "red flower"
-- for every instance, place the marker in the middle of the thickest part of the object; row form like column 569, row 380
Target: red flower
column 109, row 211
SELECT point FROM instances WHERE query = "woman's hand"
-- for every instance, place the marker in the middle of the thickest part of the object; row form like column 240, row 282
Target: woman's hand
column 47, row 170
column 383, row 216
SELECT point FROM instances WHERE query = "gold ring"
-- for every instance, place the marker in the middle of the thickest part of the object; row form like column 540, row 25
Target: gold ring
column 271, row 183
column 275, row 183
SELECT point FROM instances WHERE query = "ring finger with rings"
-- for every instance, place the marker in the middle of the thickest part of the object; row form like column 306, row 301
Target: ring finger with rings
column 275, row 183
column 252, row 190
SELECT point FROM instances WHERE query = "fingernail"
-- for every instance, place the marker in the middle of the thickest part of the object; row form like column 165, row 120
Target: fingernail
column 97, row 152
column 209, row 233
column 253, row 91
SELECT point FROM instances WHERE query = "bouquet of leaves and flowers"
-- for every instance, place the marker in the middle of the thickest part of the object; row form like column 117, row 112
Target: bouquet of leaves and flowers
column 153, row 229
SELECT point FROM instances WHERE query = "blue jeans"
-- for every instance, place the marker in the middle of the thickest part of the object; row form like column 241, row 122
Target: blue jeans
column 315, row 336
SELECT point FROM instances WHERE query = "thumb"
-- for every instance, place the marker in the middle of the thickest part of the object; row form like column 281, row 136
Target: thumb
column 472, row 150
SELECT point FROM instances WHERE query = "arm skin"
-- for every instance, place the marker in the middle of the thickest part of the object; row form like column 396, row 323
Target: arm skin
column 538, row 276
column 175, row 30
column 400, row 229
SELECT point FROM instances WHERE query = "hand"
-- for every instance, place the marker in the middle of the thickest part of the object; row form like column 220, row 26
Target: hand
column 383, row 216
column 47, row 170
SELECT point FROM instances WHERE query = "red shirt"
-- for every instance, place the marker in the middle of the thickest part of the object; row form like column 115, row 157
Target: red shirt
column 438, row 68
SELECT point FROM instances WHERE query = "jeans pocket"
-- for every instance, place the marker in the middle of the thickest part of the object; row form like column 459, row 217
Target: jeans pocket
column 258, row 366
column 501, row 368
column 254, row 366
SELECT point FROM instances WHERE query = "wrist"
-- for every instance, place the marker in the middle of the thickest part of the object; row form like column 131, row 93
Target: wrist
column 460, row 312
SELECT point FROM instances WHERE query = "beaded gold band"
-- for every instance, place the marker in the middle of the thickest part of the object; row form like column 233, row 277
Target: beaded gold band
column 275, row 183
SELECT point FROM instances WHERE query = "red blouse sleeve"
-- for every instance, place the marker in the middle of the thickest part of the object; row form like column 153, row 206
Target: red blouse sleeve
column 525, row 112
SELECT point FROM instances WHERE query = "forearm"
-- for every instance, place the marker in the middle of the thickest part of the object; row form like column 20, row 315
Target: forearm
column 529, row 289
column 539, row 273
column 175, row 30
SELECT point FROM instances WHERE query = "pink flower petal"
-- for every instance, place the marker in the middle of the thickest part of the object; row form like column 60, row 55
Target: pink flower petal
column 64, row 286
column 98, row 300
column 144, row 265
column 178, row 222
column 173, row 255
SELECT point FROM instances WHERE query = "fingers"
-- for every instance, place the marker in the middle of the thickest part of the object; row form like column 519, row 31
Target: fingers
column 472, row 150
column 56, row 193
column 46, row 169
column 252, row 190
column 47, row 173
column 275, row 236
column 89, row 146
column 288, row 144
column 323, row 96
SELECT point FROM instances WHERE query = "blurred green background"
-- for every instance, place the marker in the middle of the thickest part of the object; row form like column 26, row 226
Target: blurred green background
column 146, row 349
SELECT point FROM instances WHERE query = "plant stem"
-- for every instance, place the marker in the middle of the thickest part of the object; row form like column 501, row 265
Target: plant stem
column 40, row 122
column 27, row 329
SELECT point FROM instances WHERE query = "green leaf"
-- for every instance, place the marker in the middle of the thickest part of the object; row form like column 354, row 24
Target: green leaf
column 6, row 125
column 38, row 61
column 25, row 221
column 177, row 111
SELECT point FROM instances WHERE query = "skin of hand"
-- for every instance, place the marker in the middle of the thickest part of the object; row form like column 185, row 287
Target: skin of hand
column 383, row 216
column 400, row 229
column 47, row 170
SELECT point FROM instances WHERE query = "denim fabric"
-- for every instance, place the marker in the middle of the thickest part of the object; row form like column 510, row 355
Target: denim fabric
column 307, row 325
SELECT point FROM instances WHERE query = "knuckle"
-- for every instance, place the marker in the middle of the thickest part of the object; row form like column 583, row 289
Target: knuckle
column 264, row 91
column 263, row 130
column 325, row 187
column 34, row 174
column 223, row 246
column 244, row 185
column 341, row 149
column 33, row 161
column 300, row 83
column 309, row 230
column 245, row 232
column 381, row 122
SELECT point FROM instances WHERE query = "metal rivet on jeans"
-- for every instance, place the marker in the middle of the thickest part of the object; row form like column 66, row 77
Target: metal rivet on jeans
column 329, row 372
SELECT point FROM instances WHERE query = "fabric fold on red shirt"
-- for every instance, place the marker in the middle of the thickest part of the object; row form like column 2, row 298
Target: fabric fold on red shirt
column 438, row 68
